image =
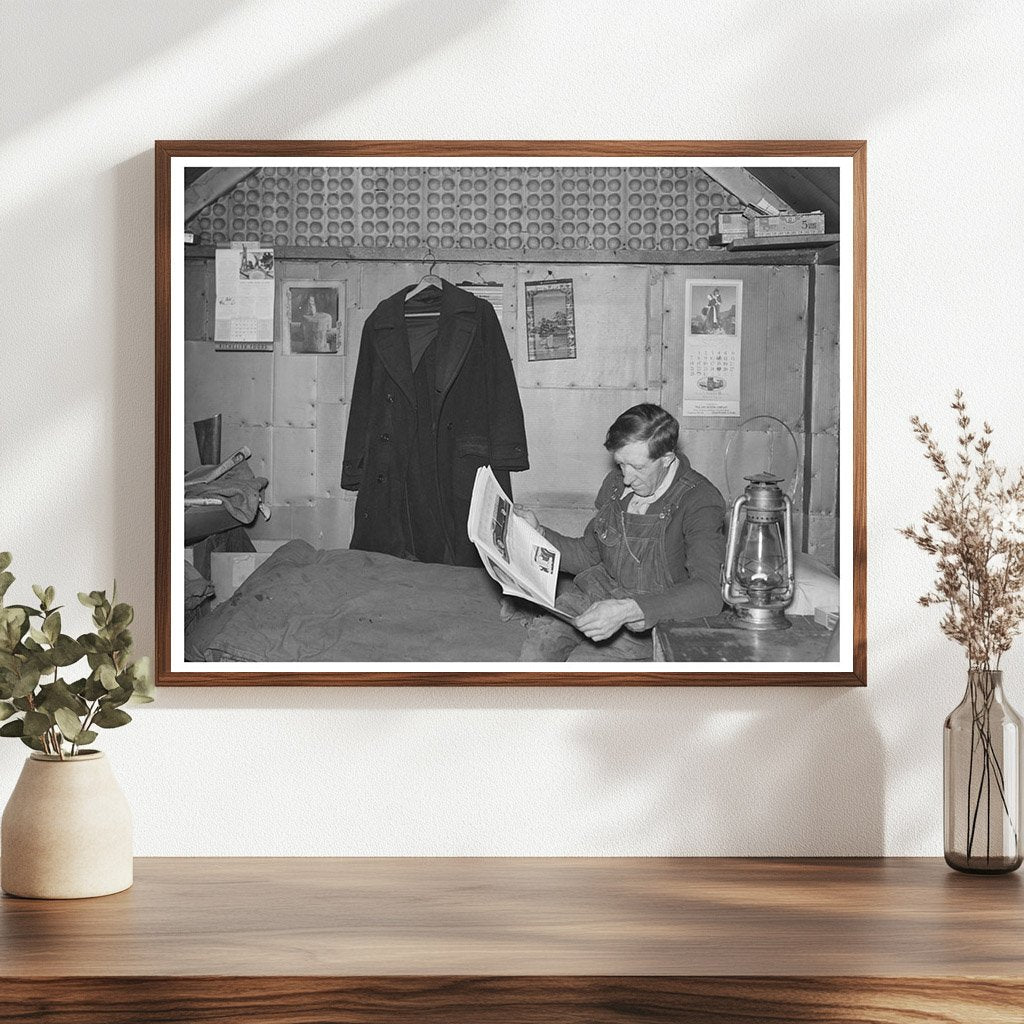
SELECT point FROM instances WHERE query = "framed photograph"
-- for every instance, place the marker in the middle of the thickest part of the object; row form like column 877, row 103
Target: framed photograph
column 693, row 471
column 550, row 321
column 310, row 317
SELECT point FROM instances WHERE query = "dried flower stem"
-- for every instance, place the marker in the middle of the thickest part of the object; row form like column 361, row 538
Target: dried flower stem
column 975, row 531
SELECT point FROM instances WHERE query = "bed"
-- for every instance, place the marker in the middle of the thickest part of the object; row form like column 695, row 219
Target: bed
column 303, row 604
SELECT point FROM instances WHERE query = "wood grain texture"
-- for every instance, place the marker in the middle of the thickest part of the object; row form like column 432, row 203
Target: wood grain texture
column 723, row 941
column 165, row 150
column 510, row 916
column 523, row 1000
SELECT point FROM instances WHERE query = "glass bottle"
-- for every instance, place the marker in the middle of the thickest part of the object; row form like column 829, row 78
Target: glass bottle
column 981, row 779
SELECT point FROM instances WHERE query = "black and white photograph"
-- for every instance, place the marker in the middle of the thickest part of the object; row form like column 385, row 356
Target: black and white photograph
column 661, row 385
column 714, row 307
column 310, row 317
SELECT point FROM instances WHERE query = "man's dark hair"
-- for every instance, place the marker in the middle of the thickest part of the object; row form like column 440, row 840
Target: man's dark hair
column 646, row 422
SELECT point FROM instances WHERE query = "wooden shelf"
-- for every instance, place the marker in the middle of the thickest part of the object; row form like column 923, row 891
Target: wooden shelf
column 784, row 255
column 279, row 941
column 783, row 242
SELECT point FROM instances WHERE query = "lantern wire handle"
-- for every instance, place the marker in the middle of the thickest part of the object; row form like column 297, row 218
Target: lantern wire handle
column 734, row 476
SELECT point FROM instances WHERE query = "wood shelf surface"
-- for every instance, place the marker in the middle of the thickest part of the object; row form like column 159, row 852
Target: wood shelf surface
column 505, row 917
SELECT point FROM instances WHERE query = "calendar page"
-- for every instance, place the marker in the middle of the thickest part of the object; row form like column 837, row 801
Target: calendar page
column 711, row 348
column 245, row 294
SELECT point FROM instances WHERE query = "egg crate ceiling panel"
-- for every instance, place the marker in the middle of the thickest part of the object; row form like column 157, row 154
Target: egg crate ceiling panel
column 637, row 209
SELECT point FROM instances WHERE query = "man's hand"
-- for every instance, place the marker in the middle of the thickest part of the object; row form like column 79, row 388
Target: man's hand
column 525, row 513
column 605, row 618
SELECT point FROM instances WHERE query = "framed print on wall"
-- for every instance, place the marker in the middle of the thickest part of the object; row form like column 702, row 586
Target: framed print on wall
column 440, row 308
column 310, row 317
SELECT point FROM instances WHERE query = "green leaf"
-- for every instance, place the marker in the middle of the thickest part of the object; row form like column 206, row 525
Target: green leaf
column 89, row 600
column 13, row 623
column 107, row 676
column 51, row 626
column 67, row 651
column 38, row 635
column 115, row 698
column 27, row 681
column 50, row 595
column 123, row 640
column 6, row 579
column 31, row 741
column 94, row 645
column 94, row 689
column 40, row 593
column 142, row 681
column 111, row 718
column 59, row 695
column 29, row 611
column 6, row 710
column 69, row 724
column 9, row 663
column 5, row 560
column 86, row 736
column 15, row 728
column 121, row 616
column 36, row 723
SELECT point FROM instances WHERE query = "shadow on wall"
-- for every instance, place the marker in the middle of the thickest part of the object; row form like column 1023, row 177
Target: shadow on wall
column 747, row 771
column 694, row 771
column 396, row 38
column 107, row 31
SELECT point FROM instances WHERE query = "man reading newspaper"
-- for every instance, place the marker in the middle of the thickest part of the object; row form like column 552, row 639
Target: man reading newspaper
column 652, row 552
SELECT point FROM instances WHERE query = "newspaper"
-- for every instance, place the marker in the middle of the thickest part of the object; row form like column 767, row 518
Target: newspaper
column 519, row 559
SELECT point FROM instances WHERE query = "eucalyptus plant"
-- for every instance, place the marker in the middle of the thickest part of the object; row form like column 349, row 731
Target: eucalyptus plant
column 46, row 712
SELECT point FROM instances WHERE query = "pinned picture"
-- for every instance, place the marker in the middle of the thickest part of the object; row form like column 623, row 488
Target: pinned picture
column 712, row 348
column 550, row 320
column 310, row 319
column 714, row 308
column 255, row 264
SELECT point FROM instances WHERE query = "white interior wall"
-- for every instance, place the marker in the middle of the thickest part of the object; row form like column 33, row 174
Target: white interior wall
column 935, row 87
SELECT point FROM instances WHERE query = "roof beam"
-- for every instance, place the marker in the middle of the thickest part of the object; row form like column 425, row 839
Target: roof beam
column 210, row 186
column 746, row 188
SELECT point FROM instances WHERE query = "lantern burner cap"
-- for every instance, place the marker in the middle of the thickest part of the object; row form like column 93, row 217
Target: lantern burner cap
column 764, row 479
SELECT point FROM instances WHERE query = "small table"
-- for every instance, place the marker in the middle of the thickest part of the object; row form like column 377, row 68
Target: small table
column 475, row 940
column 718, row 638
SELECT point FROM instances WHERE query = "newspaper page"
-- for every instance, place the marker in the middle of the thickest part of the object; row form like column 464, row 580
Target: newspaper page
column 519, row 559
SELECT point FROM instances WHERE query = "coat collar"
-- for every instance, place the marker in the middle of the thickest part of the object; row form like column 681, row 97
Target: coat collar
column 456, row 326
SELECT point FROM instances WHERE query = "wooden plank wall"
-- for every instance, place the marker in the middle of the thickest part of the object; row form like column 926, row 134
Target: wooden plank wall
column 292, row 410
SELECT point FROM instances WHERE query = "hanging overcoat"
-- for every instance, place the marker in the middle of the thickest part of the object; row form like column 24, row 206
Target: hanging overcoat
column 478, row 421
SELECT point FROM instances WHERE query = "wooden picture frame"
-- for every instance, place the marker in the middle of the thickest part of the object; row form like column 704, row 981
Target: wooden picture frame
column 500, row 248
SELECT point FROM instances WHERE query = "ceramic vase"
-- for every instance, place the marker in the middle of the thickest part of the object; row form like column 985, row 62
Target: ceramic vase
column 66, row 830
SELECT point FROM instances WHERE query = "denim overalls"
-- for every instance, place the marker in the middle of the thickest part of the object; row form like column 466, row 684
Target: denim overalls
column 633, row 561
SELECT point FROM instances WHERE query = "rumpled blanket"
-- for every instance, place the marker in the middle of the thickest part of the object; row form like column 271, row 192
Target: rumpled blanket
column 238, row 489
column 344, row 606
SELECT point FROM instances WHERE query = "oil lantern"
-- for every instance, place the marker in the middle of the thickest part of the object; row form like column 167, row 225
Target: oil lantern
column 757, row 577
